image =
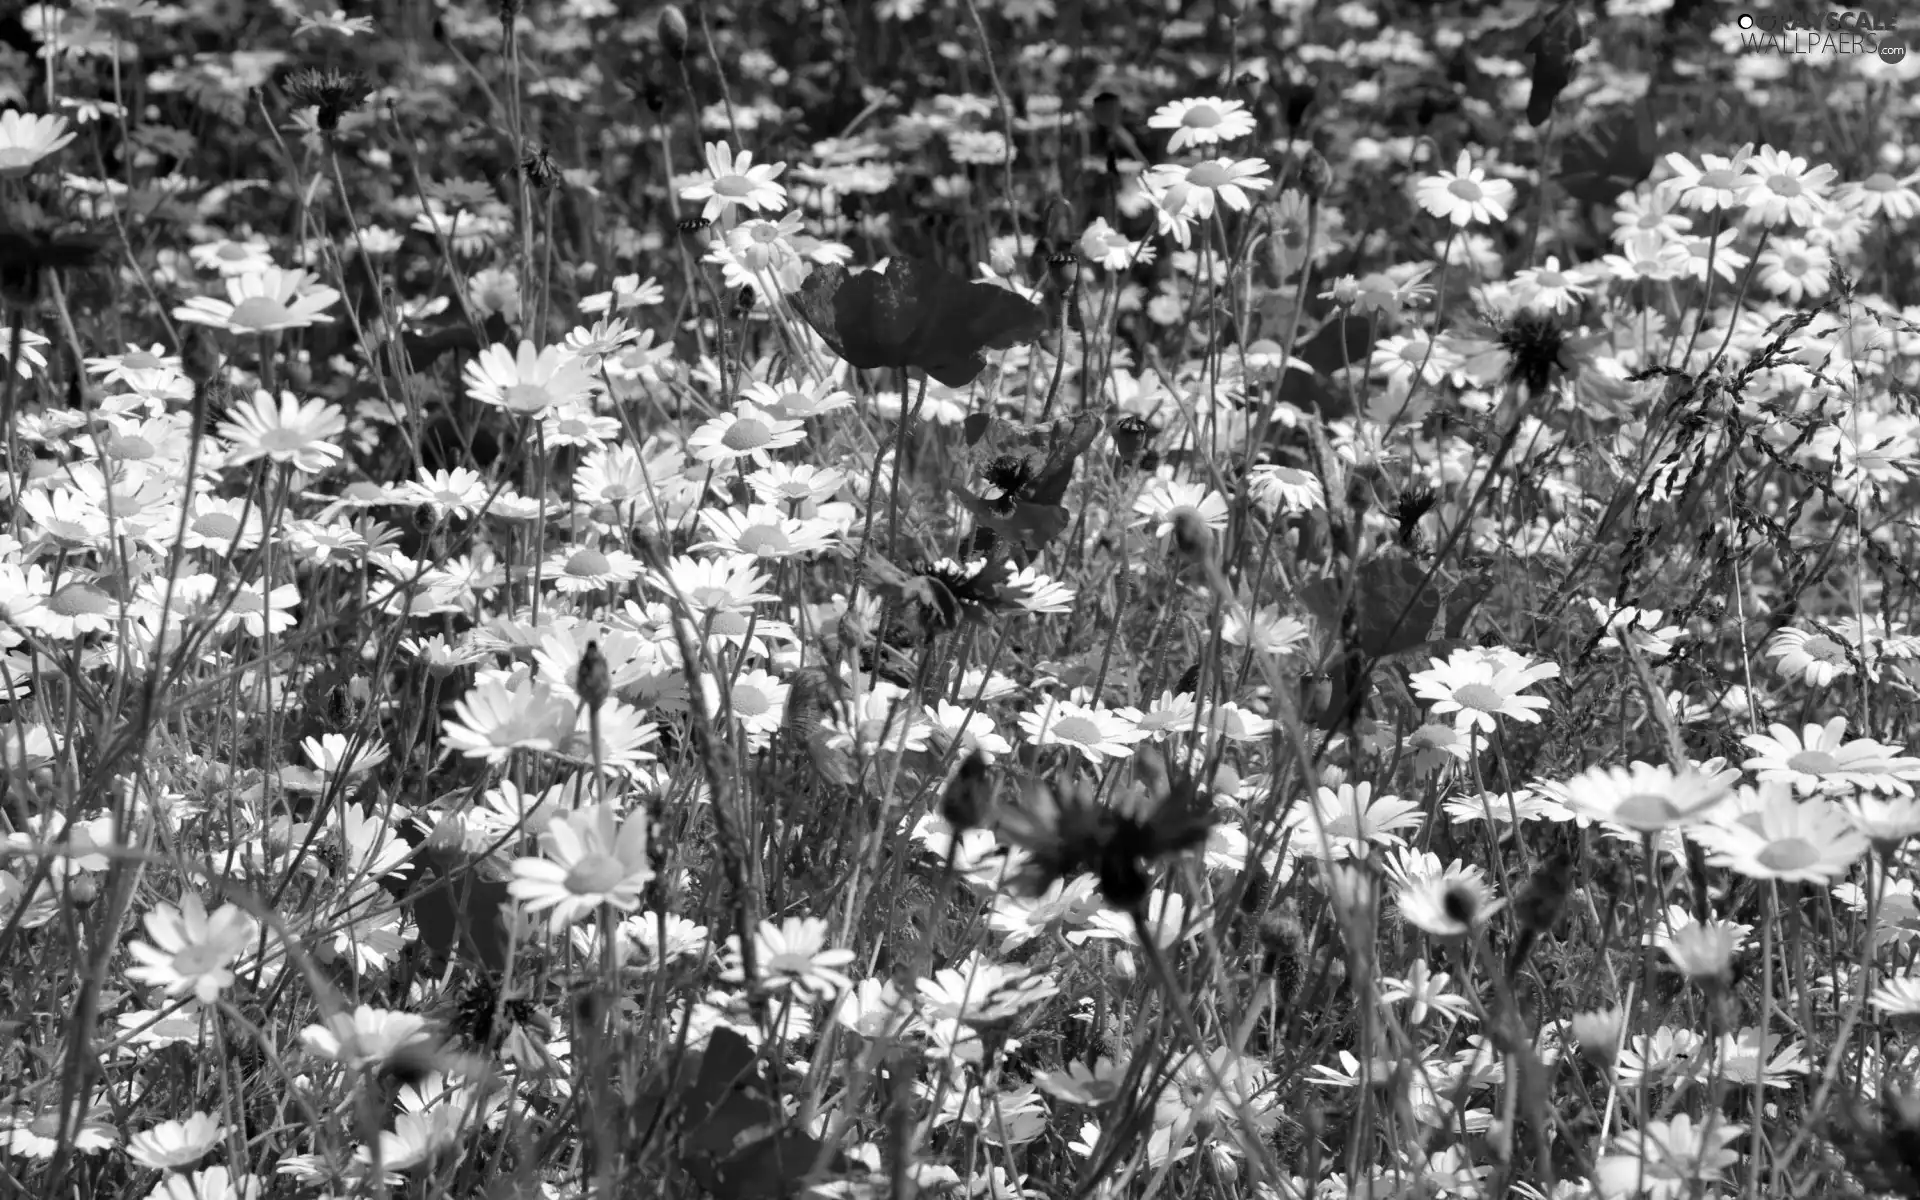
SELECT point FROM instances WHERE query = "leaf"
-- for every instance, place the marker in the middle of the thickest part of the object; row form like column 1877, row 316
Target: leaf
column 916, row 314
column 1025, row 523
column 770, row 1168
column 1069, row 441
column 1553, row 49
column 1388, row 586
column 458, row 909
column 1611, row 156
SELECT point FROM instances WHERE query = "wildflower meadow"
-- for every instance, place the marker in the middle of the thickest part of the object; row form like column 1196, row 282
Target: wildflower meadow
column 977, row 599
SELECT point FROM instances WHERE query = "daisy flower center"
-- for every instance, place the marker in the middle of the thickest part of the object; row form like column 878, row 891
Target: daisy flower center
column 1479, row 696
column 588, row 563
column 1813, row 762
column 525, row 395
column 79, row 600
column 45, row 1125
column 764, row 233
column 1879, row 181
column 1077, row 729
column 747, row 433
column 595, row 874
column 1789, row 854
column 1468, row 190
column 1784, row 185
column 763, row 539
column 1202, row 116
column 1794, row 264
column 197, row 960
column 132, row 446
column 1720, row 179
column 1646, row 809
column 140, row 360
column 1821, row 648
column 223, row 526
column 1549, row 279
column 258, row 312
column 738, row 187
column 231, row 251
column 749, row 702
column 1209, row 175
column 283, row 440
column 16, row 158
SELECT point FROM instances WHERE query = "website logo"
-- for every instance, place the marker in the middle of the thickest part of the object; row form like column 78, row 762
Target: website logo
column 1836, row 31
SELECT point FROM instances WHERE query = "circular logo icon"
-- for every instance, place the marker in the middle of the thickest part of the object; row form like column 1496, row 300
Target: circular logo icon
column 1892, row 49
column 1746, row 20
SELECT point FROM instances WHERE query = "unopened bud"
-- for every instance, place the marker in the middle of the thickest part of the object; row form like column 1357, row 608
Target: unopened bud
column 968, row 794
column 593, row 681
column 673, row 31
column 1316, row 174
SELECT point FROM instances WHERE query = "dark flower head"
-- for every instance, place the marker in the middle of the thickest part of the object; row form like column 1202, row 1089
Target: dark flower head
column 1537, row 343
column 1009, row 472
column 334, row 92
column 593, row 682
column 1069, row 831
column 538, row 167
column 968, row 795
column 1413, row 504
column 916, row 314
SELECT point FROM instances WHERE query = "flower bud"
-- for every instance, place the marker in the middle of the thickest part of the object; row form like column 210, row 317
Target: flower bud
column 673, row 31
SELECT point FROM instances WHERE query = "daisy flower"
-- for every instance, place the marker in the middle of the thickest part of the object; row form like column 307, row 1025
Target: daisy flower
column 590, row 859
column 1465, row 196
column 1785, row 190
column 32, row 1133
column 1820, row 760
column 1098, row 733
column 792, row 400
column 1107, row 247
column 974, row 731
column 733, row 181
column 1479, row 686
column 528, row 380
column 1030, row 591
column 746, row 432
column 368, row 1038
column 1883, row 195
column 754, row 698
column 498, row 717
column 26, row 138
column 1198, row 187
column 1548, row 288
column 1643, row 797
column 1344, row 822
column 229, row 257
column 1202, row 122
column 1666, row 1160
column 460, row 492
column 1717, row 183
column 1286, row 489
column 1793, row 268
column 792, row 956
column 172, row 1145
column 1446, row 902
column 1164, row 500
column 629, row 292
column 1778, row 837
column 263, row 302
column 574, row 570
column 303, row 436
column 1808, row 655
column 763, row 531
column 31, row 357
column 190, row 951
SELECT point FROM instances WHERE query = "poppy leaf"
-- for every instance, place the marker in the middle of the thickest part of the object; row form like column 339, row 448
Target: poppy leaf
column 916, row 314
column 1026, row 523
